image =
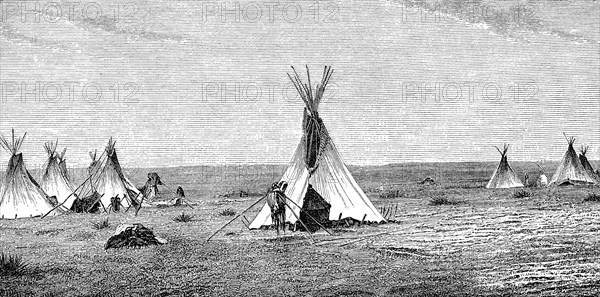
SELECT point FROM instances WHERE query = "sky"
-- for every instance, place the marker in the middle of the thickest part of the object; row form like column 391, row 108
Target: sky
column 204, row 82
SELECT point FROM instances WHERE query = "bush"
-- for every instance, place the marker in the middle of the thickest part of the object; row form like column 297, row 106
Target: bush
column 443, row 200
column 521, row 194
column 183, row 218
column 592, row 197
column 227, row 212
column 12, row 264
column 101, row 224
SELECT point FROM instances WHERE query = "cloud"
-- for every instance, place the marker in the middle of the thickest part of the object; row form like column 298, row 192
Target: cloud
column 109, row 25
column 13, row 36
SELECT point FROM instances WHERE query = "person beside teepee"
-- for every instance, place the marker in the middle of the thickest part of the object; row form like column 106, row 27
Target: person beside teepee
column 20, row 195
column 150, row 189
column 570, row 171
column 504, row 176
column 54, row 181
column 317, row 161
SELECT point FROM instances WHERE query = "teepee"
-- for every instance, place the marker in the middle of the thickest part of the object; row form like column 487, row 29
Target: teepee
column 62, row 163
column 112, row 184
column 586, row 164
column 88, row 198
column 20, row 195
column 54, row 180
column 570, row 170
column 316, row 161
column 504, row 176
column 542, row 180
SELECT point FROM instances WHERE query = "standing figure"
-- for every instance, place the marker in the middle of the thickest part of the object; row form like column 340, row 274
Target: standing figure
column 276, row 201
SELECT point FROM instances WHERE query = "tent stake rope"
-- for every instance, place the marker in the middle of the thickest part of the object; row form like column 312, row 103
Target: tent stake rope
column 239, row 215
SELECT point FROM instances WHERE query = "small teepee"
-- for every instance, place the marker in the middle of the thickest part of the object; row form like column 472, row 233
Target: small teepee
column 570, row 170
column 20, row 195
column 316, row 161
column 88, row 198
column 116, row 189
column 504, row 176
column 62, row 162
column 542, row 180
column 586, row 164
column 54, row 181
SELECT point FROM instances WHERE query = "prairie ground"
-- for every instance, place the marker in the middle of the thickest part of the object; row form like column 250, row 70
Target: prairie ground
column 475, row 242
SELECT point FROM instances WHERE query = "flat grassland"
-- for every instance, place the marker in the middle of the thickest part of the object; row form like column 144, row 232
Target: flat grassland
column 474, row 241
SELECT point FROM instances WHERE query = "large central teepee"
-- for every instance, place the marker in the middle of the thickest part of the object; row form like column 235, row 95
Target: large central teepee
column 20, row 194
column 570, row 170
column 316, row 161
column 504, row 176
column 54, row 180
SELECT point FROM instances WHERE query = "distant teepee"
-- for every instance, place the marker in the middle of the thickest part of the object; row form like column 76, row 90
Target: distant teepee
column 504, row 176
column 586, row 164
column 62, row 162
column 570, row 170
column 20, row 195
column 542, row 180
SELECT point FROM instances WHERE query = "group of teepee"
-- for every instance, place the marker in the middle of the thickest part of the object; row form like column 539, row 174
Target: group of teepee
column 20, row 195
column 105, row 186
column 316, row 173
column 572, row 170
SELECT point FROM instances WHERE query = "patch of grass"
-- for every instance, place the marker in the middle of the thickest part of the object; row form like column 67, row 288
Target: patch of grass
column 227, row 212
column 443, row 200
column 12, row 264
column 465, row 185
column 592, row 197
column 521, row 194
column 183, row 218
column 82, row 235
column 49, row 232
column 101, row 224
column 391, row 194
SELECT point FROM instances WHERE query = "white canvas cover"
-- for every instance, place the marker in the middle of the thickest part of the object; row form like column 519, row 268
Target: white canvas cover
column 333, row 181
column 54, row 180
